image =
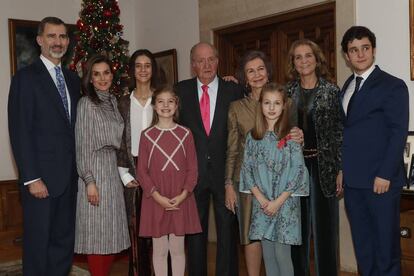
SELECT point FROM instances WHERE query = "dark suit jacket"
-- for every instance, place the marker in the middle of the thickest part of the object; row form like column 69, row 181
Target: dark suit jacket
column 41, row 136
column 210, row 149
column 375, row 132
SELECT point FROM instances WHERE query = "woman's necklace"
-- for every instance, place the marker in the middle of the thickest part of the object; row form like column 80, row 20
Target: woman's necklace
column 142, row 98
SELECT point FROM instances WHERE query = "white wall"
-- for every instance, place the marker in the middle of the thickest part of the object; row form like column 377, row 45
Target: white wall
column 389, row 20
column 163, row 25
column 145, row 25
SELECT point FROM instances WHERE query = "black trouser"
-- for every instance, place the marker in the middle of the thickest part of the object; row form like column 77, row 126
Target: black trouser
column 226, row 258
column 320, row 220
column 49, row 232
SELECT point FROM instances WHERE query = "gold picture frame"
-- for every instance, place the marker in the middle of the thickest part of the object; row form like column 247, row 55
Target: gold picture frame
column 167, row 66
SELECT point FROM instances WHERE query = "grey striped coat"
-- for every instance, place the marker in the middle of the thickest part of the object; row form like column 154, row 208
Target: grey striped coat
column 99, row 229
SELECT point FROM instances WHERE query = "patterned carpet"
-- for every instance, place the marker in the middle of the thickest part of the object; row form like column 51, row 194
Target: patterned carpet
column 15, row 269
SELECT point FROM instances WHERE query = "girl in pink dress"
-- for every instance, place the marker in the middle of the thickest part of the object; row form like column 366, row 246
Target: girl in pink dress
column 167, row 172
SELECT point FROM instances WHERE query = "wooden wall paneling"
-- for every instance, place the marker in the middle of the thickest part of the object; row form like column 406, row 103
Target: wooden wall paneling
column 275, row 34
column 11, row 213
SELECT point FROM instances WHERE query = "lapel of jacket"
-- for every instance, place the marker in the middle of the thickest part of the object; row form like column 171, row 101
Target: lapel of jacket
column 218, row 110
column 195, row 105
column 341, row 96
column 73, row 103
column 50, row 88
column 363, row 95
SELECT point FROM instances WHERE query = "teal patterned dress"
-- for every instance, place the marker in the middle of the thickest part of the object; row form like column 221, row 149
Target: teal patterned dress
column 275, row 170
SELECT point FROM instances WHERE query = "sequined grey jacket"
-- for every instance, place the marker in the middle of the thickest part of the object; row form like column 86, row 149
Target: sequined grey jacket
column 328, row 128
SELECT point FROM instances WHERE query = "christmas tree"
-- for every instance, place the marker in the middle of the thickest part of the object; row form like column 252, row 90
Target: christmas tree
column 100, row 31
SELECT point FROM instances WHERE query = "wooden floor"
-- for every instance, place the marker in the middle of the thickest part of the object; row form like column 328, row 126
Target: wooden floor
column 10, row 252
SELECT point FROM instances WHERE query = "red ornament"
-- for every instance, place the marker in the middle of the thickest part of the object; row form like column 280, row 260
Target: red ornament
column 115, row 66
column 102, row 25
column 107, row 13
column 72, row 67
column 80, row 24
column 90, row 8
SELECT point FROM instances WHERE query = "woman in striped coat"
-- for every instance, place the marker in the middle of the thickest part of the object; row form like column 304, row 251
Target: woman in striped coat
column 101, row 223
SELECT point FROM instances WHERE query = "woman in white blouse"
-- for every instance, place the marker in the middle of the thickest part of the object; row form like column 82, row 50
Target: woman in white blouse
column 136, row 110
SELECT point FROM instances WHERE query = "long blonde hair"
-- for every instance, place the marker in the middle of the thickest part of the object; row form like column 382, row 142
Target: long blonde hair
column 282, row 126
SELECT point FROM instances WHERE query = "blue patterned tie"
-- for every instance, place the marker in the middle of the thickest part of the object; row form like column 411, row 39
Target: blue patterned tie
column 60, row 80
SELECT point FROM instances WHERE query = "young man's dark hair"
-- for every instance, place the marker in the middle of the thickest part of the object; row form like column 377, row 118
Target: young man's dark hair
column 357, row 32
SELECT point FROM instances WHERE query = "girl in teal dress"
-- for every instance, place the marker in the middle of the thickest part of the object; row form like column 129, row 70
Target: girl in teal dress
column 274, row 172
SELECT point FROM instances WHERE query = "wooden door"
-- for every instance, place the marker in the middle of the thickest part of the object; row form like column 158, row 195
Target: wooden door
column 274, row 35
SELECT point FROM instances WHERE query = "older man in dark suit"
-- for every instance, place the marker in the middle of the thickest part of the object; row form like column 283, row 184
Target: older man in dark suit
column 42, row 114
column 375, row 106
column 204, row 101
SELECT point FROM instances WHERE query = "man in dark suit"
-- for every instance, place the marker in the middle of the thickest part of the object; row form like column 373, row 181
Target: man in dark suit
column 375, row 106
column 204, row 102
column 42, row 113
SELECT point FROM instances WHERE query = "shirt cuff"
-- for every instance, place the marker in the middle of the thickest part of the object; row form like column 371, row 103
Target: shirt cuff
column 88, row 178
column 126, row 177
column 31, row 181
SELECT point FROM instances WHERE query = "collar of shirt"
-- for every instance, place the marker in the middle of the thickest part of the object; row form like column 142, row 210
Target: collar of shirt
column 212, row 88
column 49, row 65
column 364, row 75
column 137, row 103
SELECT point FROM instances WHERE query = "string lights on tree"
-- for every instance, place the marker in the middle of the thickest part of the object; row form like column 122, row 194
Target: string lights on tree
column 100, row 31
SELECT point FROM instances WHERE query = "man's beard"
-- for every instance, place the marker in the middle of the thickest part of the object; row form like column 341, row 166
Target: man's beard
column 59, row 55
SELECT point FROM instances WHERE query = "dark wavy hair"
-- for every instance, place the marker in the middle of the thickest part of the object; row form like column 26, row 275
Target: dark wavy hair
column 157, row 92
column 87, row 87
column 321, row 65
column 357, row 32
column 249, row 56
column 154, row 69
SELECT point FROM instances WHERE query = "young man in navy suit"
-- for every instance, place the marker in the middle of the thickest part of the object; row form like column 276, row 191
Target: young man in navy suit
column 375, row 112
column 42, row 114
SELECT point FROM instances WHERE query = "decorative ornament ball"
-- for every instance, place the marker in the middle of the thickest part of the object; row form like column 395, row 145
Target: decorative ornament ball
column 80, row 24
column 90, row 8
column 107, row 13
column 102, row 25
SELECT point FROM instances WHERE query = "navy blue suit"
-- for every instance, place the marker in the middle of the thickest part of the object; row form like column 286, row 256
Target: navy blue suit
column 375, row 132
column 43, row 144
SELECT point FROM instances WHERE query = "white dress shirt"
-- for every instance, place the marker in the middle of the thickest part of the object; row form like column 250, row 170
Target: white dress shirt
column 351, row 87
column 140, row 118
